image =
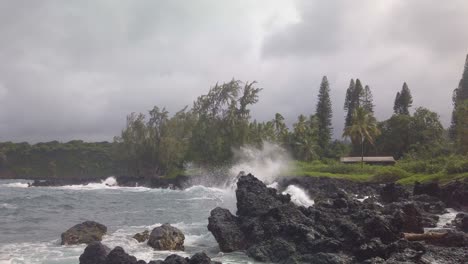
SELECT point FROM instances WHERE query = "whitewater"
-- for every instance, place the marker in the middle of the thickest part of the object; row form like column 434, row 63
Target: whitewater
column 33, row 218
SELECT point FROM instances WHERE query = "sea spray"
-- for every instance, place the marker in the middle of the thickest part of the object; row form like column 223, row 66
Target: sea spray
column 267, row 163
column 298, row 196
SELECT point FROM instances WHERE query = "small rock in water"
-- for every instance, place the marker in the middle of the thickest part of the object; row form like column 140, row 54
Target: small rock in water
column 84, row 233
column 166, row 237
column 141, row 237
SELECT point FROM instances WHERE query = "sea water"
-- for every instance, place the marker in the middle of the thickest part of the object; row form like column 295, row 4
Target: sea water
column 32, row 219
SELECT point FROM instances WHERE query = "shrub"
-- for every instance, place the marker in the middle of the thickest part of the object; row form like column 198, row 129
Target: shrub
column 389, row 174
column 424, row 166
column 456, row 164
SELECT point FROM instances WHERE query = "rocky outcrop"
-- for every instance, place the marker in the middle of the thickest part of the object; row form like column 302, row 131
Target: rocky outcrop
column 96, row 253
column 336, row 229
column 225, row 227
column 119, row 256
column 453, row 194
column 393, row 192
column 461, row 222
column 141, row 237
column 166, row 237
column 84, row 233
column 324, row 186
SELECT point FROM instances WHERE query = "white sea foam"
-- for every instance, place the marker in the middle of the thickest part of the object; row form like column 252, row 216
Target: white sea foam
column 447, row 217
column 273, row 185
column 299, row 196
column 108, row 184
column 16, row 185
column 362, row 199
column 7, row 206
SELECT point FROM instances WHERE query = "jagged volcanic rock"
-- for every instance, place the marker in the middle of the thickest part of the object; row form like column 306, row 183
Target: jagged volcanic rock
column 337, row 229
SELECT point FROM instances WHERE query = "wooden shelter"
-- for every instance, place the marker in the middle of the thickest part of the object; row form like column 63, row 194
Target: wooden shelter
column 387, row 160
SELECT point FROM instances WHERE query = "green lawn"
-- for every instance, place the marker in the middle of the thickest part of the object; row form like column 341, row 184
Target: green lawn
column 405, row 172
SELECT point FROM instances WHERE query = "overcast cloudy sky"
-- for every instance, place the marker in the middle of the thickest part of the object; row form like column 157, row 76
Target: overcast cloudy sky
column 75, row 69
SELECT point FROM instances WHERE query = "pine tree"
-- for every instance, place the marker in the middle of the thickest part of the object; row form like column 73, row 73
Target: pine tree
column 396, row 103
column 403, row 101
column 348, row 103
column 324, row 115
column 349, row 93
column 459, row 95
column 368, row 100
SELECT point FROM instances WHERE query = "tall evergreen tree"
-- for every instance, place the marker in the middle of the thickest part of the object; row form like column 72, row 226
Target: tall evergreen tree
column 367, row 100
column 460, row 94
column 403, row 101
column 324, row 115
column 396, row 103
column 348, row 107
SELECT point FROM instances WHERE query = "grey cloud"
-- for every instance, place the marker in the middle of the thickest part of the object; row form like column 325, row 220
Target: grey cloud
column 75, row 69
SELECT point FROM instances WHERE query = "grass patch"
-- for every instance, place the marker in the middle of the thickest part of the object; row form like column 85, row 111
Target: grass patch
column 444, row 169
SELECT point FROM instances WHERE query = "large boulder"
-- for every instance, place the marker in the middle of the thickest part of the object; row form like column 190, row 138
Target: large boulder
column 225, row 228
column 84, row 233
column 166, row 237
column 94, row 253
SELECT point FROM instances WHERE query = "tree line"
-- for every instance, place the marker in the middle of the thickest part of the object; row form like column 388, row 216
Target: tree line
column 158, row 143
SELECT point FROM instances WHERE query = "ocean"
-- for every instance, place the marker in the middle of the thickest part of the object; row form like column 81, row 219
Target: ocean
column 32, row 219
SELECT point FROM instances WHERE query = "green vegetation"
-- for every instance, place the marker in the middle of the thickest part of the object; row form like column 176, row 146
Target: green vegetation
column 363, row 128
column 406, row 171
column 158, row 143
column 72, row 159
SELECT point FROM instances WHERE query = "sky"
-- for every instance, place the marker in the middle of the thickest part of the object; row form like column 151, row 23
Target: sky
column 75, row 69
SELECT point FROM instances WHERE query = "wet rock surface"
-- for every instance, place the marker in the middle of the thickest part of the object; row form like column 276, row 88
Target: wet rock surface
column 166, row 237
column 84, row 233
column 337, row 228
column 94, row 253
column 141, row 237
column 97, row 253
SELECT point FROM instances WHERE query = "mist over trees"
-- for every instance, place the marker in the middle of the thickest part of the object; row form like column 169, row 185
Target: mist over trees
column 161, row 143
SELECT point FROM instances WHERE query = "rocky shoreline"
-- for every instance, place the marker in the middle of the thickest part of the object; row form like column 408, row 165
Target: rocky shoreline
column 349, row 222
column 339, row 228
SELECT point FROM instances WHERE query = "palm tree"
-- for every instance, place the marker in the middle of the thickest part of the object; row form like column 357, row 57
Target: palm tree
column 363, row 128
